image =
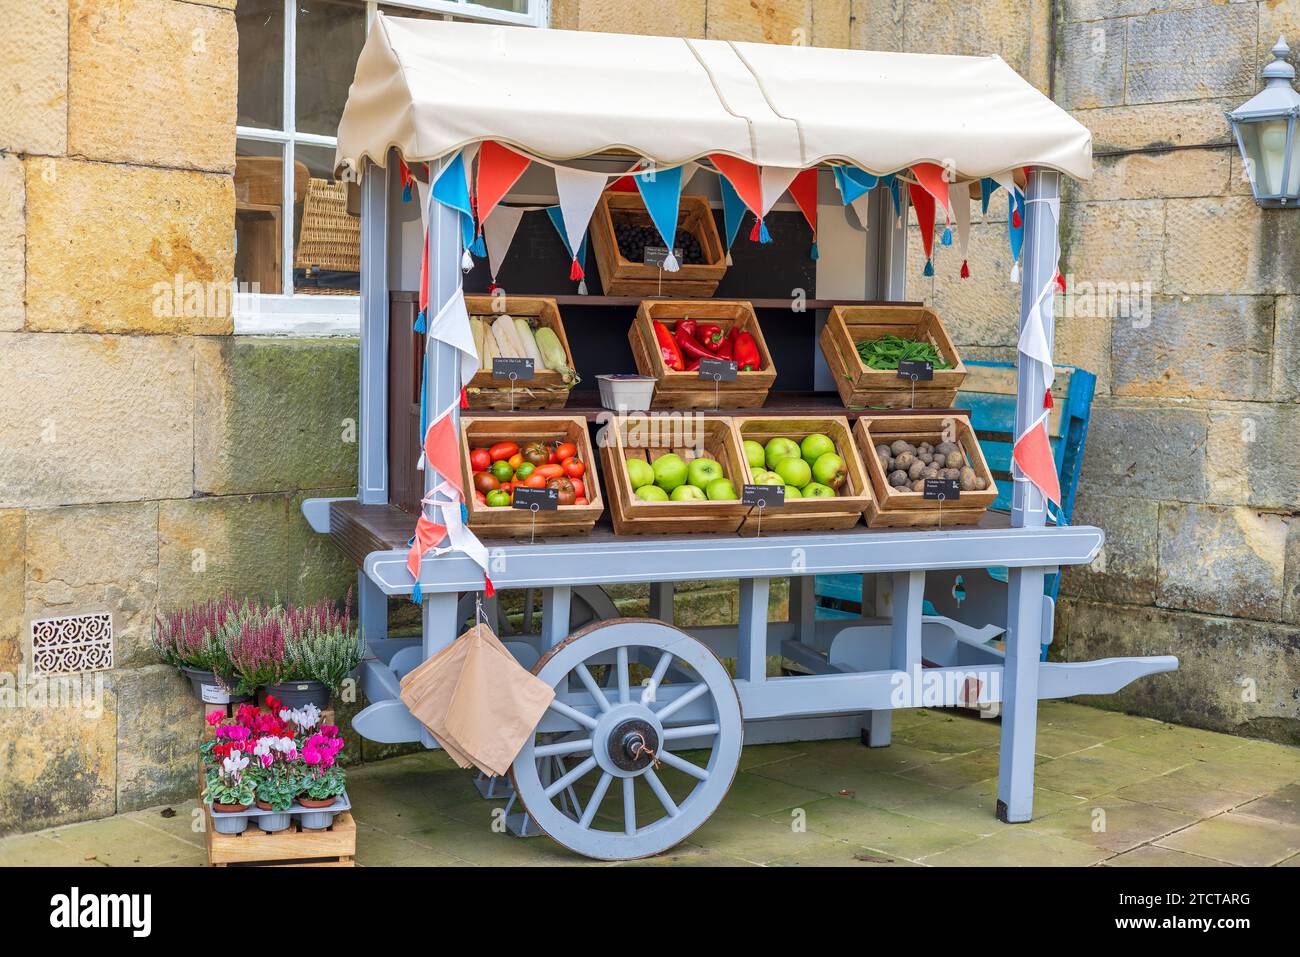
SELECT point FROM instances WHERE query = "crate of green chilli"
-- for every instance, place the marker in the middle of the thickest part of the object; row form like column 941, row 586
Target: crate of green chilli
column 864, row 346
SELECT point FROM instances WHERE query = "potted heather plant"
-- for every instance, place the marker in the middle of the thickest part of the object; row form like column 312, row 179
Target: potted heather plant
column 191, row 640
column 321, row 648
column 254, row 641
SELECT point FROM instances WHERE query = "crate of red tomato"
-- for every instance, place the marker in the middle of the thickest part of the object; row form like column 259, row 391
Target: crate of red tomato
column 674, row 341
column 500, row 456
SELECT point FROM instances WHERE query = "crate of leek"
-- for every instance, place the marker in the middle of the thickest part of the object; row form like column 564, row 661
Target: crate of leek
column 524, row 327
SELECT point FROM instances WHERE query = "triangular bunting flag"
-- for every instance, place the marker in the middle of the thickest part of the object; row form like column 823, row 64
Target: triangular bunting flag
column 933, row 179
column 733, row 211
column 803, row 189
column 959, row 197
column 853, row 182
column 499, row 169
column 923, row 202
column 499, row 231
column 744, row 178
column 451, row 188
column 557, row 220
column 579, row 192
column 1033, row 456
column 661, row 191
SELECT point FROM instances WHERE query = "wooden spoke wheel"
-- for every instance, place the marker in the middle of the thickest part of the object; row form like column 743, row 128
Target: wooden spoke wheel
column 630, row 766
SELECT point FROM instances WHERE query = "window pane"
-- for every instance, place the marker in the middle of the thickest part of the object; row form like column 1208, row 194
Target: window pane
column 261, row 63
column 327, row 239
column 330, row 36
column 514, row 6
column 259, row 175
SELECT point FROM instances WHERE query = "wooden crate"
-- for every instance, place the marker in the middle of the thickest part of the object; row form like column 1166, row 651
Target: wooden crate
column 547, row 389
column 860, row 387
column 334, row 846
column 518, row 522
column 894, row 507
column 686, row 390
column 648, row 437
column 622, row 277
column 808, row 514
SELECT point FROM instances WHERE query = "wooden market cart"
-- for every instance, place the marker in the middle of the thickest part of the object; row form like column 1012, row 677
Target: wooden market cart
column 621, row 680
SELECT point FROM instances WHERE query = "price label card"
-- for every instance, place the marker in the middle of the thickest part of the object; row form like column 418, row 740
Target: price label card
column 949, row 490
column 512, row 367
column 655, row 255
column 920, row 370
column 719, row 370
column 763, row 496
column 546, row 499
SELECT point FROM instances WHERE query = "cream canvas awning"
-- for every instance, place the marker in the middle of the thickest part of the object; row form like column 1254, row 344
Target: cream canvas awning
column 429, row 87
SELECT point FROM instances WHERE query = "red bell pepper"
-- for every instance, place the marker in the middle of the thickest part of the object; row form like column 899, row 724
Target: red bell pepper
column 710, row 336
column 686, row 325
column 725, row 349
column 672, row 356
column 693, row 365
column 746, row 353
column 691, row 349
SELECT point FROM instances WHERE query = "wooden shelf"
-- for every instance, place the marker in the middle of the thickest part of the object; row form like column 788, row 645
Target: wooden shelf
column 586, row 403
column 631, row 302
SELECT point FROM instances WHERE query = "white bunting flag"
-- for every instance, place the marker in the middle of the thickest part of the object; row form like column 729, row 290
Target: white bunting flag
column 579, row 191
column 498, row 232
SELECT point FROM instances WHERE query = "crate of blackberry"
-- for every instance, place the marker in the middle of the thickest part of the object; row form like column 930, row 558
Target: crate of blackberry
column 630, row 251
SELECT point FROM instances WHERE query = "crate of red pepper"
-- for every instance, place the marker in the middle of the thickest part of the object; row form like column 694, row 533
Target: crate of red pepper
column 672, row 339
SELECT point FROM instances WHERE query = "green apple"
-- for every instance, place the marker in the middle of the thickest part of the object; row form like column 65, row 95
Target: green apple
column 651, row 493
column 815, row 446
column 829, row 470
column 640, row 473
column 721, row 490
column 794, row 471
column 702, row 471
column 764, row 477
column 687, row 493
column 817, row 490
column 778, row 449
column 754, row 454
column 792, row 492
column 670, row 471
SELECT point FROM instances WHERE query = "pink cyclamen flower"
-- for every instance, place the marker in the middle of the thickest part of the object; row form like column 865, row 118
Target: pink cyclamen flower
column 329, row 730
column 311, row 756
column 327, row 759
column 214, row 718
column 266, row 760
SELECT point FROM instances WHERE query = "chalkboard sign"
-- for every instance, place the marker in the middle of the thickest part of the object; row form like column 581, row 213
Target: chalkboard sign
column 922, row 370
column 655, row 255
column 948, row 490
column 763, row 496
column 537, row 499
column 718, row 370
column 512, row 367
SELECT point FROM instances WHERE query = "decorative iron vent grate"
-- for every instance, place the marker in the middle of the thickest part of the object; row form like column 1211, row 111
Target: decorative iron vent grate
column 71, row 645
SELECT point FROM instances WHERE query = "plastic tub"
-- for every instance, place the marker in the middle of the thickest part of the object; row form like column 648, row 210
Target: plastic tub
column 621, row 392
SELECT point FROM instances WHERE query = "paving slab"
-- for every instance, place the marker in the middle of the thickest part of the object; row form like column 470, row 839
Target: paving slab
column 1237, row 838
column 886, row 831
column 1014, row 846
column 1152, row 855
column 1112, row 823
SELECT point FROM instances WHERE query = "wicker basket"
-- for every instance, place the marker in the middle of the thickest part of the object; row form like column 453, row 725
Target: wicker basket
column 330, row 238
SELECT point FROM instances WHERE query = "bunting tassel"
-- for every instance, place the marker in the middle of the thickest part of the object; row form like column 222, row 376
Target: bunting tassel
column 575, row 270
column 420, row 324
column 946, row 239
column 582, row 288
column 730, row 261
column 965, row 270
column 466, row 262
column 763, row 235
column 812, row 253
column 488, row 588
column 670, row 262
column 756, row 231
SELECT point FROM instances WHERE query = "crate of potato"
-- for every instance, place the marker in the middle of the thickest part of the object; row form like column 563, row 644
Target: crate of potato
column 670, row 338
column 522, row 327
column 863, row 346
column 816, row 459
column 621, row 229
column 902, row 451
column 498, row 454
column 672, row 474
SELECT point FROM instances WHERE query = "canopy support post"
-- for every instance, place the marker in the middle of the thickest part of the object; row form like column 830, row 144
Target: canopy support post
column 372, row 453
column 1038, row 267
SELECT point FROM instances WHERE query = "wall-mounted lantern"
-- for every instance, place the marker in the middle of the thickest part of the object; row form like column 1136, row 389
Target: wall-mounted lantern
column 1268, row 134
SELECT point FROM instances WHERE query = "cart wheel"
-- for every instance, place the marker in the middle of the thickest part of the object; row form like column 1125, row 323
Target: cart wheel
column 635, row 796
column 590, row 604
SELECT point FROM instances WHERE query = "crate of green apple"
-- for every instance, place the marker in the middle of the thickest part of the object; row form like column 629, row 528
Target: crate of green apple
column 815, row 459
column 668, row 474
column 501, row 454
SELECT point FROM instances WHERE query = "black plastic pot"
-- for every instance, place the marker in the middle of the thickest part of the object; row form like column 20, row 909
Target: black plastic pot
column 296, row 694
column 208, row 690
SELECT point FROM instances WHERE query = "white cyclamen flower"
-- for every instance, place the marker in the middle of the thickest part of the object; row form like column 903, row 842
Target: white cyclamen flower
column 235, row 763
column 310, row 717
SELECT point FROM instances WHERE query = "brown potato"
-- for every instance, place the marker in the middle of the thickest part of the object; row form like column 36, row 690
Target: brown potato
column 955, row 460
column 898, row 478
column 900, row 446
column 904, row 461
column 915, row 470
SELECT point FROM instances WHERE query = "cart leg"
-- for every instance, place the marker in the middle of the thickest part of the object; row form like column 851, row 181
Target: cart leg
column 904, row 644
column 803, row 608
column 751, row 652
column 372, row 609
column 439, row 621
column 555, row 614
column 661, row 601
column 1020, row 694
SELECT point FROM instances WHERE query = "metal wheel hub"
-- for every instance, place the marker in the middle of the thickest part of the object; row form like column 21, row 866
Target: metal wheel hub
column 629, row 736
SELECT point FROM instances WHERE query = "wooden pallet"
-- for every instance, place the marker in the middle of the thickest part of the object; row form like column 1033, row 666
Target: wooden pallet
column 648, row 437
column 620, row 276
column 335, row 846
column 547, row 389
column 860, row 387
column 808, row 514
column 687, row 390
column 519, row 522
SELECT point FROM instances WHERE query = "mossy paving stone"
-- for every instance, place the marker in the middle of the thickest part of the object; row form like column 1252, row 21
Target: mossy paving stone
column 1282, row 806
column 864, row 785
column 959, row 771
column 1151, row 855
column 39, row 850
column 947, row 730
column 758, row 755
column 1086, row 719
column 1111, row 823
column 841, row 854
column 1012, row 846
column 757, row 795
column 1237, row 839
column 179, row 824
column 121, row 842
column 1174, row 739
column 894, row 758
column 1188, row 790
column 1056, row 742
column 485, row 846
column 974, row 807
column 755, row 839
column 396, row 817
column 893, row 833
column 1098, row 770
column 688, row 854
column 380, row 848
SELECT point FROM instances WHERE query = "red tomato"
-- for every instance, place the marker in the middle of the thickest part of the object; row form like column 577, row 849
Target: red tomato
column 549, row 471
column 503, row 450
column 581, row 500
column 551, row 459
column 575, row 468
column 565, row 450
column 479, row 460
column 516, row 460
column 578, row 488
column 479, row 497
column 534, row 481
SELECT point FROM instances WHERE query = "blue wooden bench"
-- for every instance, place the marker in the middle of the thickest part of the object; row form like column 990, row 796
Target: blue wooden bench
column 990, row 394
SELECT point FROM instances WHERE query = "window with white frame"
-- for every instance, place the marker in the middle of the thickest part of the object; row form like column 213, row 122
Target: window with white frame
column 297, row 249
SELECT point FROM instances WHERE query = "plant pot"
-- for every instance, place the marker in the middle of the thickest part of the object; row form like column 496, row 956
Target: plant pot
column 270, row 823
column 296, row 694
column 208, row 690
column 229, row 818
column 317, row 802
column 263, row 806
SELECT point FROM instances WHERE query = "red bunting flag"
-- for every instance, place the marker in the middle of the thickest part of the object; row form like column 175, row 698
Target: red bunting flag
column 745, row 179
column 932, row 178
column 1033, row 456
column 499, row 169
column 923, row 202
column 803, row 189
